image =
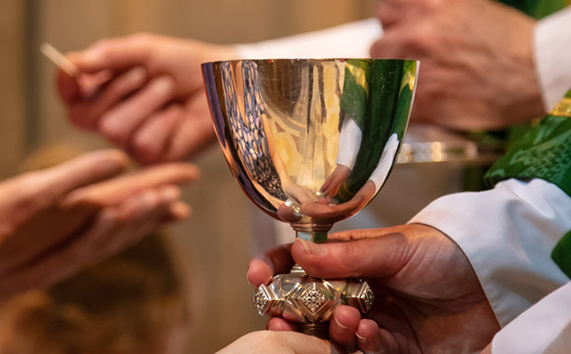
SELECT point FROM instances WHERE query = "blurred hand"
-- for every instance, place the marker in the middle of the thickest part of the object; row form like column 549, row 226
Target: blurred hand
column 323, row 212
column 145, row 94
column 299, row 194
column 428, row 298
column 335, row 180
column 264, row 342
column 476, row 56
column 55, row 221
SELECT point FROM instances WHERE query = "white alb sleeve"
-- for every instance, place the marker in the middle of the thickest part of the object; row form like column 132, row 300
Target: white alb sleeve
column 544, row 328
column 552, row 50
column 351, row 40
column 350, row 139
column 508, row 234
column 381, row 172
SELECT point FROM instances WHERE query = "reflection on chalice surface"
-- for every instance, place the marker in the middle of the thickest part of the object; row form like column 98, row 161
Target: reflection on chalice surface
column 311, row 142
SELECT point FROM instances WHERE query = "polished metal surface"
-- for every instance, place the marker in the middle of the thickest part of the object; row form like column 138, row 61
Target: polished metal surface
column 312, row 139
column 426, row 143
column 311, row 142
column 310, row 301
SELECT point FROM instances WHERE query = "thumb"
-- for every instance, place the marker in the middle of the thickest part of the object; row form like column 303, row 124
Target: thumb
column 378, row 254
column 68, row 87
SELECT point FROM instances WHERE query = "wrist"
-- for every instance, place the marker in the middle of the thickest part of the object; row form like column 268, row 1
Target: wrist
column 525, row 101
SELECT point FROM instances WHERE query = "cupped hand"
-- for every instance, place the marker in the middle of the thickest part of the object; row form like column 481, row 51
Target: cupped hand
column 144, row 93
column 54, row 222
column 477, row 67
column 428, row 298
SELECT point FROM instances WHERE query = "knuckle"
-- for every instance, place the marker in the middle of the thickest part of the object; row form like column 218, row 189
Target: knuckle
column 344, row 259
column 142, row 38
column 424, row 39
column 111, row 130
column 102, row 46
column 144, row 145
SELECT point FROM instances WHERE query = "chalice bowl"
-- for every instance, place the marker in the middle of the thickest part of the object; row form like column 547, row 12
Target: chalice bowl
column 311, row 142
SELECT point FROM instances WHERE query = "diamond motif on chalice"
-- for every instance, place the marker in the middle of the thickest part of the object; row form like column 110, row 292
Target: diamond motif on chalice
column 260, row 300
column 313, row 299
column 368, row 299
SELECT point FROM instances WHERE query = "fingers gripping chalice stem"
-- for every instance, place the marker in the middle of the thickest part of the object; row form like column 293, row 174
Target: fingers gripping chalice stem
column 311, row 142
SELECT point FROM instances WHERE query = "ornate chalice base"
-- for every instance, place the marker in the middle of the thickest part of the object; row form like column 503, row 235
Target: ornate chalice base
column 309, row 302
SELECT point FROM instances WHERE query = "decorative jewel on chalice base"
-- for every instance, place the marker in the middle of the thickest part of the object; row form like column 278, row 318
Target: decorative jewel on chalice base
column 316, row 139
column 309, row 302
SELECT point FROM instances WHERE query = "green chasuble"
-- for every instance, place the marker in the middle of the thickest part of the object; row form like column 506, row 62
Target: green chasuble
column 544, row 152
column 537, row 8
column 550, row 158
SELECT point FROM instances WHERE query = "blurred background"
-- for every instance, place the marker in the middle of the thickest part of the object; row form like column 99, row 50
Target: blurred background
column 213, row 246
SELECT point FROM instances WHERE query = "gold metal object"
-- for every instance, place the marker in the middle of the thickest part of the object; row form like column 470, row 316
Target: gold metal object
column 426, row 144
column 562, row 108
column 311, row 142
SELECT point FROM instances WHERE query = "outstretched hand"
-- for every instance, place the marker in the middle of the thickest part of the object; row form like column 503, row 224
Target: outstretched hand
column 54, row 222
column 477, row 64
column 145, row 94
column 428, row 298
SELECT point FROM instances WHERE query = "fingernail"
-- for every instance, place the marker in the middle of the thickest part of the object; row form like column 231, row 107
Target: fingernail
column 312, row 248
column 180, row 210
column 339, row 323
column 163, row 85
column 137, row 75
column 91, row 56
column 111, row 166
column 361, row 338
column 170, row 193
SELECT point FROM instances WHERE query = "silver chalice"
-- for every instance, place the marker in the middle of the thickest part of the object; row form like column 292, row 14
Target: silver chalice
column 311, row 142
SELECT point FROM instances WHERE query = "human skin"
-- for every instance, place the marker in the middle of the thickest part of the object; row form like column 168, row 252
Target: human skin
column 428, row 298
column 263, row 342
column 477, row 69
column 145, row 94
column 54, row 222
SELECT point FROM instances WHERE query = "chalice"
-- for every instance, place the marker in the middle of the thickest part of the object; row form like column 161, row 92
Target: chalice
column 310, row 142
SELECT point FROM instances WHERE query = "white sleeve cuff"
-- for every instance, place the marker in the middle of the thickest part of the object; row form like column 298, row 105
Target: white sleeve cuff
column 508, row 234
column 544, row 328
column 352, row 40
column 350, row 139
column 552, row 47
column 379, row 175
